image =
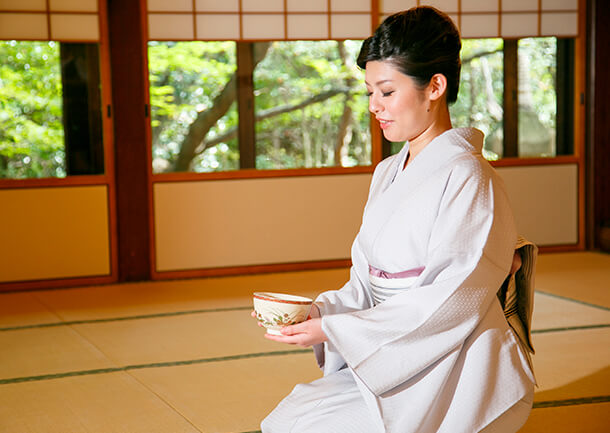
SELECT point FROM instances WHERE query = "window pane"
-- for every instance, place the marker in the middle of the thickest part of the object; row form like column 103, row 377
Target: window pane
column 479, row 102
column 193, row 108
column 311, row 108
column 537, row 96
column 50, row 110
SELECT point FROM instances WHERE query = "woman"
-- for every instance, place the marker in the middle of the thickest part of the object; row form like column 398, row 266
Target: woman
column 416, row 341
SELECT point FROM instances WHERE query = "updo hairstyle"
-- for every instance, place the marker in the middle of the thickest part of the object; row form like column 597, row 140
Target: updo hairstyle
column 419, row 42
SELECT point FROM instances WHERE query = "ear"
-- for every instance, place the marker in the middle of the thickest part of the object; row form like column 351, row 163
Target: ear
column 437, row 87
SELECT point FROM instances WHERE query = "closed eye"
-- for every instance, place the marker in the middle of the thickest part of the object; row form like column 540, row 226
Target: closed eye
column 385, row 94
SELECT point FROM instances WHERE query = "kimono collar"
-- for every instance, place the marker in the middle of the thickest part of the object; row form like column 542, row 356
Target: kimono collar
column 456, row 140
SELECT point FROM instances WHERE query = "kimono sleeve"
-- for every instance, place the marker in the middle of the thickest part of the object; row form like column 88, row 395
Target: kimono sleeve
column 354, row 295
column 469, row 255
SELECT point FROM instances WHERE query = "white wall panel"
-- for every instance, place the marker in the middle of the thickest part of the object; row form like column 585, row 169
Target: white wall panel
column 58, row 232
column 257, row 221
column 282, row 220
column 545, row 202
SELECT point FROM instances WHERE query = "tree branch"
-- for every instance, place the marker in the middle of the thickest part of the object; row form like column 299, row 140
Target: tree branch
column 208, row 118
column 272, row 112
column 481, row 54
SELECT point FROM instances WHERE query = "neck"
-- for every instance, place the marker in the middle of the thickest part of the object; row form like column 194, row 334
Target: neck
column 440, row 122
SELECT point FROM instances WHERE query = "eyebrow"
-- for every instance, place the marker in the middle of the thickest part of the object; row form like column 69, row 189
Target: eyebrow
column 378, row 82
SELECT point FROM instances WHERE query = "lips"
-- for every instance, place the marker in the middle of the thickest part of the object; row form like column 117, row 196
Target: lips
column 384, row 123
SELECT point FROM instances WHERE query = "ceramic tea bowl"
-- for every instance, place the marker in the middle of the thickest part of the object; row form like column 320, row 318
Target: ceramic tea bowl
column 276, row 310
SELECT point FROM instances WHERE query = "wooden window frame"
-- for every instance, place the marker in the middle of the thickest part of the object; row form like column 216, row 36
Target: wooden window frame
column 107, row 178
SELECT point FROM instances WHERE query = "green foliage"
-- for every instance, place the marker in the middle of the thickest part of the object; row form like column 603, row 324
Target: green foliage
column 31, row 129
column 481, row 88
column 480, row 97
column 293, row 72
column 185, row 77
column 542, row 72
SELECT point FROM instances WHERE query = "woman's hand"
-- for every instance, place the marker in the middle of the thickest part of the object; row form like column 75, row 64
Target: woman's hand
column 516, row 265
column 304, row 334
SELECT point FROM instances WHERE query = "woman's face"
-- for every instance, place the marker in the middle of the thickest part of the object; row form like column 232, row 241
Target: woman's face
column 399, row 106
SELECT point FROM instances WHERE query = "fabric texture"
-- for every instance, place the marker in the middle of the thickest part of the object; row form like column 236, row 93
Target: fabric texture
column 438, row 356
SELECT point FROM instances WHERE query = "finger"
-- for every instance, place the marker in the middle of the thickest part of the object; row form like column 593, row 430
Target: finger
column 282, row 338
column 299, row 328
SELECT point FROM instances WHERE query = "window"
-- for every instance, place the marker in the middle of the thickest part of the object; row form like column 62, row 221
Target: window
column 218, row 106
column 479, row 103
column 193, row 106
column 516, row 91
column 50, row 110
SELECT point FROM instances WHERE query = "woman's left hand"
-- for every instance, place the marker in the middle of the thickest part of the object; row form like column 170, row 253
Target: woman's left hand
column 304, row 334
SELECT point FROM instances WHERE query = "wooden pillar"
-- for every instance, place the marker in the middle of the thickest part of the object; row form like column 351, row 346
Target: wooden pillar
column 132, row 151
column 601, row 125
column 510, row 99
column 245, row 105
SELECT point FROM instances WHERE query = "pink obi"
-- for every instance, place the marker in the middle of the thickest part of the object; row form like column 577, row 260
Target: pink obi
column 385, row 284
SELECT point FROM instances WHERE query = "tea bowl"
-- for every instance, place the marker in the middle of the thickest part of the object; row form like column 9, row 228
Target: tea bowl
column 276, row 310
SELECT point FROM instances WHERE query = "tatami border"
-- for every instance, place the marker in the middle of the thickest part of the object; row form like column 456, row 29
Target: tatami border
column 123, row 318
column 217, row 310
column 151, row 365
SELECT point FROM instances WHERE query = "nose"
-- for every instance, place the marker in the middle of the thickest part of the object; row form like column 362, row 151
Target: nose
column 374, row 105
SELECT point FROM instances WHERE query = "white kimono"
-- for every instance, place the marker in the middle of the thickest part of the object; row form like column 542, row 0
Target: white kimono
column 432, row 351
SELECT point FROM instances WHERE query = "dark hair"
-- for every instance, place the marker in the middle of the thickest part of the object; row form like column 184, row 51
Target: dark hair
column 420, row 42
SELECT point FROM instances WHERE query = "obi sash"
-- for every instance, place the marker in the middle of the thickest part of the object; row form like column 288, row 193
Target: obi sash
column 516, row 296
column 386, row 284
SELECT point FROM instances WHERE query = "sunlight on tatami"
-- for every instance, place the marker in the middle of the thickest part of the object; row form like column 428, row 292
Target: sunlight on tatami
column 185, row 356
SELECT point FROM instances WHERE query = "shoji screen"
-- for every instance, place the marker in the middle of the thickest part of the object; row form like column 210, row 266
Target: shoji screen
column 501, row 18
column 59, row 20
column 259, row 19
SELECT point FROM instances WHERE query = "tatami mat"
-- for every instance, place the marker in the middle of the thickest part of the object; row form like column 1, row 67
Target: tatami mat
column 584, row 276
column 185, row 356
column 580, row 418
column 230, row 396
column 572, row 364
column 553, row 312
column 159, row 297
column 105, row 403
column 19, row 309
column 45, row 351
column 176, row 338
